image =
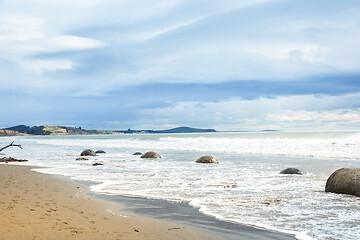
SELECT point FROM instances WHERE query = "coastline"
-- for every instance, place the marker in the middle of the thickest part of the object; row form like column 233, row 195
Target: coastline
column 41, row 206
column 185, row 214
column 55, row 207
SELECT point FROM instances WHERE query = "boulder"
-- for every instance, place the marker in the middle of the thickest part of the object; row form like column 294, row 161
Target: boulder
column 100, row 151
column 88, row 152
column 137, row 153
column 207, row 159
column 81, row 159
column 152, row 155
column 291, row 171
column 344, row 180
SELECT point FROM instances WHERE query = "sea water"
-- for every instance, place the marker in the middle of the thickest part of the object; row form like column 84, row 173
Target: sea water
column 245, row 187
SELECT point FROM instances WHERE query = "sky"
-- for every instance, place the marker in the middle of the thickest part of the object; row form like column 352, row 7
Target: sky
column 244, row 65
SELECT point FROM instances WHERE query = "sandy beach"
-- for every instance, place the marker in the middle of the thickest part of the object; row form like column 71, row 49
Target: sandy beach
column 40, row 206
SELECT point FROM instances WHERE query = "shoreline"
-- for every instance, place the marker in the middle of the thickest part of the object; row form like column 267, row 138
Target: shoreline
column 155, row 219
column 185, row 214
column 42, row 206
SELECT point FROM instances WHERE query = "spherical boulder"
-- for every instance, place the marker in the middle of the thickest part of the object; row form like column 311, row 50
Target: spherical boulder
column 344, row 180
column 207, row 159
column 152, row 155
column 137, row 153
column 291, row 171
column 88, row 152
column 100, row 151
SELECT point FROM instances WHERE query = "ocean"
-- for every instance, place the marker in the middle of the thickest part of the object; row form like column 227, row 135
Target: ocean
column 245, row 187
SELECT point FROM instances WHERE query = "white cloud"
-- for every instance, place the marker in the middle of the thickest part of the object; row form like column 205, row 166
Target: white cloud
column 177, row 41
column 284, row 113
column 40, row 66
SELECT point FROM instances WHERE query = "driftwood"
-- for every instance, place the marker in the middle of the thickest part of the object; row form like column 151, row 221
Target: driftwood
column 10, row 159
column 11, row 145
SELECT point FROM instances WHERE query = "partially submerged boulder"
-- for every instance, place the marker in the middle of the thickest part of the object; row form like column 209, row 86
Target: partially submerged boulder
column 292, row 171
column 100, row 151
column 137, row 153
column 344, row 180
column 81, row 159
column 88, row 152
column 207, row 159
column 152, row 155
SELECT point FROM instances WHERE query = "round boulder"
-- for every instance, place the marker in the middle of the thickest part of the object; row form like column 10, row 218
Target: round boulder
column 150, row 155
column 137, row 153
column 344, row 180
column 100, row 151
column 291, row 171
column 207, row 159
column 88, row 152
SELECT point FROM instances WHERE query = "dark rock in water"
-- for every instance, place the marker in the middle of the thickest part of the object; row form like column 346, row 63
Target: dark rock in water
column 207, row 159
column 152, row 155
column 291, row 171
column 97, row 164
column 81, row 159
column 137, row 153
column 88, row 152
column 344, row 180
column 100, row 151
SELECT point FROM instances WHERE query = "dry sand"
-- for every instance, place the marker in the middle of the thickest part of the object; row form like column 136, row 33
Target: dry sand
column 39, row 206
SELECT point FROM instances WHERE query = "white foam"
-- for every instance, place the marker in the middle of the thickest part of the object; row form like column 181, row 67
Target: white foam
column 245, row 187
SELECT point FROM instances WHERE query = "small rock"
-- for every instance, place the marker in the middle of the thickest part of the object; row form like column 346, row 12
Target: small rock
column 81, row 159
column 152, row 155
column 137, row 153
column 100, row 151
column 88, row 152
column 291, row 171
column 207, row 159
column 97, row 164
column 344, row 180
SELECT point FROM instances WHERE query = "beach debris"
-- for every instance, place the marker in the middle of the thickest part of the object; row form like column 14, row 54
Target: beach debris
column 81, row 159
column 137, row 153
column 151, row 155
column 207, row 159
column 269, row 201
column 10, row 159
column 88, row 152
column 344, row 180
column 98, row 164
column 292, row 171
column 11, row 145
column 175, row 228
column 100, row 151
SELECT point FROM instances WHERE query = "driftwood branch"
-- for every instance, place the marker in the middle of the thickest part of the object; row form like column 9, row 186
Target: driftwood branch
column 11, row 145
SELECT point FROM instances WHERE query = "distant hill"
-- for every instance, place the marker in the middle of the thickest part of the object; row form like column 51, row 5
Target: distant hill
column 4, row 132
column 185, row 130
column 62, row 130
column 51, row 130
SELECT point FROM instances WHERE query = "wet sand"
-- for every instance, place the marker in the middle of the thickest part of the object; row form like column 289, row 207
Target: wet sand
column 39, row 206
column 184, row 213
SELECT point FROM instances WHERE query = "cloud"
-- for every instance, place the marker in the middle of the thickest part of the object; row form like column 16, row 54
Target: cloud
column 301, row 112
column 237, row 62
